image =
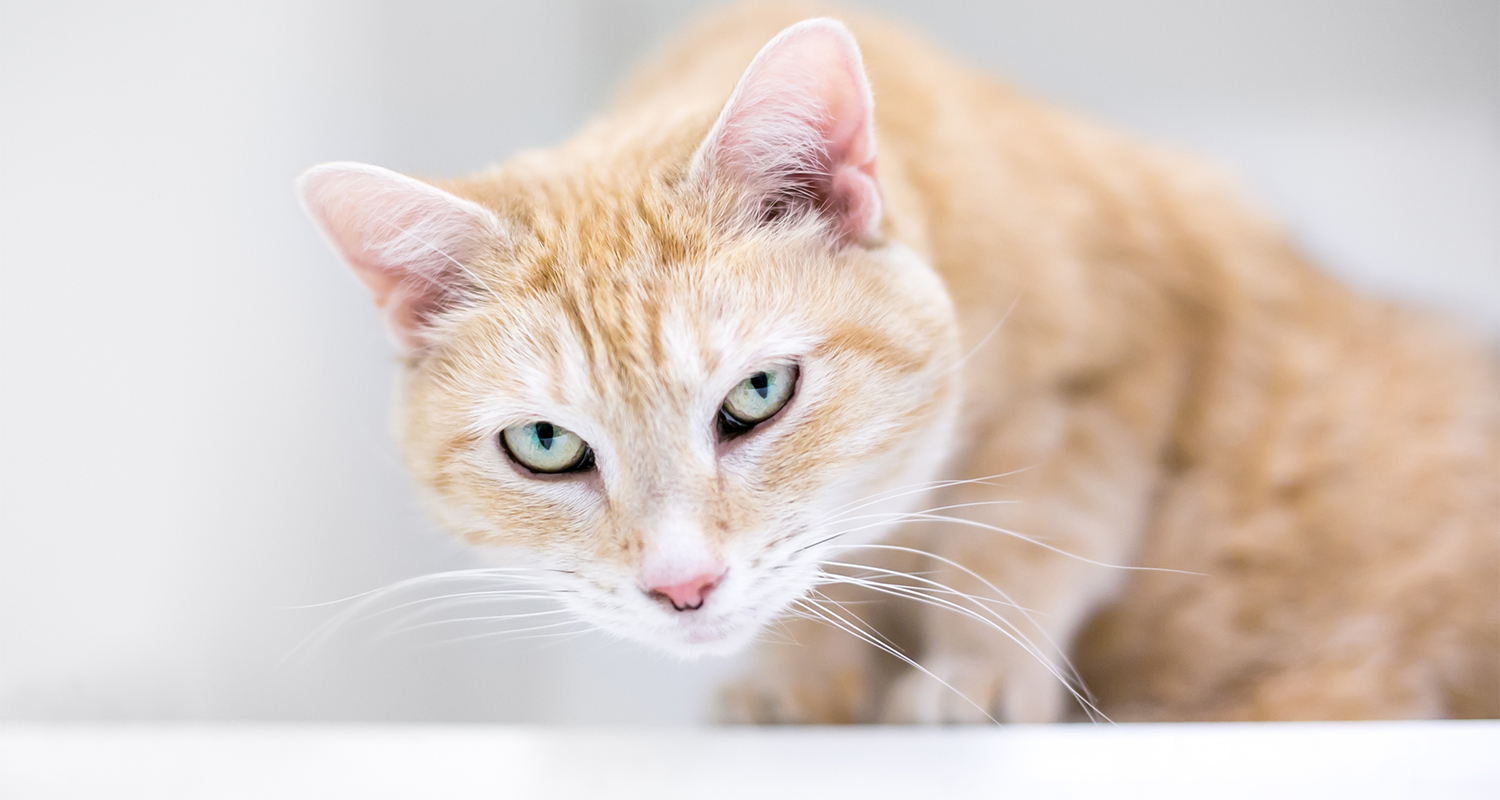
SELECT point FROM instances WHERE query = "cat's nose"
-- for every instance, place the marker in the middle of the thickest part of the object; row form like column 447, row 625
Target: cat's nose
column 688, row 595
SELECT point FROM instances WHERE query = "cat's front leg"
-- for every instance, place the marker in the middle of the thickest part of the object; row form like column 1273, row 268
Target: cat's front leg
column 986, row 661
column 809, row 671
column 959, row 687
column 1013, row 572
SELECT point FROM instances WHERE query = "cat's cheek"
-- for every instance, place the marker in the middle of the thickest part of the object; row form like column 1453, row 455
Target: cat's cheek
column 477, row 494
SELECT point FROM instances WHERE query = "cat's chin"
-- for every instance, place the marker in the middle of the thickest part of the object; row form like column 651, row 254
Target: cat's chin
column 699, row 641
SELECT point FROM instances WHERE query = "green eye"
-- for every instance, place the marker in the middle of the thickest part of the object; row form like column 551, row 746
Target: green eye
column 758, row 398
column 544, row 447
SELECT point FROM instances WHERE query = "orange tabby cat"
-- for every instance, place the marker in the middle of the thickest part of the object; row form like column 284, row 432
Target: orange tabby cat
column 739, row 352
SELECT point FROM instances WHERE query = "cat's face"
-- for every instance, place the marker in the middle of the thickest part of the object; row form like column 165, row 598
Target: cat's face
column 636, row 358
column 674, row 381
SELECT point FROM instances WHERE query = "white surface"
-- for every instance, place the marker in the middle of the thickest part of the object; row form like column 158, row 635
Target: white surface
column 1453, row 760
column 193, row 393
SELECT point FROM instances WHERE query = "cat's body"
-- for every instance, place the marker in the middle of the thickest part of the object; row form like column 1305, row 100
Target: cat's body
column 1161, row 378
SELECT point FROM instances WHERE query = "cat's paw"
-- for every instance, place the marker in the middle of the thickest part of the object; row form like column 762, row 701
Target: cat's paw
column 966, row 690
column 776, row 697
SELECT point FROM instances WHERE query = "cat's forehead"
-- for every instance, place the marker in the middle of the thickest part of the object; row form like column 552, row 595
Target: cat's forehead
column 618, row 284
column 636, row 327
column 617, row 254
column 604, row 230
column 594, row 202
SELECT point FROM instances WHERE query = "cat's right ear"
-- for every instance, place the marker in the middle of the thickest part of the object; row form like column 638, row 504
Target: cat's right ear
column 408, row 242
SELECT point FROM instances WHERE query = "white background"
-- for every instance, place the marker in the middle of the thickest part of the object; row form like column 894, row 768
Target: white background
column 194, row 395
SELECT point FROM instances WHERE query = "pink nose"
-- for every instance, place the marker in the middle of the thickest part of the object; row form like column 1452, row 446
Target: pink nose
column 689, row 594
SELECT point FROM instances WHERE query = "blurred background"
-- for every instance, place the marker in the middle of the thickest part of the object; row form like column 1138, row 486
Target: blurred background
column 194, row 394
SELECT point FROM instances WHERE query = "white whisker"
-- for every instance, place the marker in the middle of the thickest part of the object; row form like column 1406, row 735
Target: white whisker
column 1062, row 655
column 391, row 632
column 823, row 598
column 363, row 601
column 917, row 488
column 444, row 599
column 982, row 342
column 1009, row 630
column 832, row 618
column 922, row 517
column 458, row 574
column 509, row 631
column 936, row 586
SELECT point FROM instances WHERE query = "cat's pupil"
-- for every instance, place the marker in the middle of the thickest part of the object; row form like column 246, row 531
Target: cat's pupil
column 545, row 434
column 761, row 383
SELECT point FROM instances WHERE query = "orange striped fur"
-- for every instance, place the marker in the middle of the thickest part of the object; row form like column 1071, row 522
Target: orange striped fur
column 1161, row 377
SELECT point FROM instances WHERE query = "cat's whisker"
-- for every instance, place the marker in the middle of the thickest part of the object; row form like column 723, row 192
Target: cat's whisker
column 463, row 620
column 929, row 597
column 777, row 632
column 924, row 517
column 820, row 597
column 1018, row 637
column 492, row 594
column 459, row 574
column 830, row 537
column 834, row 619
column 924, row 595
column 509, row 631
column 363, row 601
column 884, row 519
column 443, row 604
column 917, row 488
column 1062, row 654
column 1008, row 629
column 917, row 576
column 984, row 341
column 901, row 491
column 896, row 517
column 890, row 514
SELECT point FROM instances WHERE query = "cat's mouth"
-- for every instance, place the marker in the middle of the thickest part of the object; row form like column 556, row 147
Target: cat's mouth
column 695, row 637
column 731, row 619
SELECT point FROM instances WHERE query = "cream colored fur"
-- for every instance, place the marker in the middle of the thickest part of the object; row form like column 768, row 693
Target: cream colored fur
column 996, row 288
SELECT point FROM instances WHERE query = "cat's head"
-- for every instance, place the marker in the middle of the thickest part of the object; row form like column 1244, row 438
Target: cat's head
column 675, row 366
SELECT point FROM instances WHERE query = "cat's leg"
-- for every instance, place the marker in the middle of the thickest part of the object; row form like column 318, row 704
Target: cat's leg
column 1003, row 656
column 812, row 669
column 1037, row 556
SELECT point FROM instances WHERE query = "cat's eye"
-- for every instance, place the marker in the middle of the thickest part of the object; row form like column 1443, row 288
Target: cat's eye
column 546, row 448
column 757, row 398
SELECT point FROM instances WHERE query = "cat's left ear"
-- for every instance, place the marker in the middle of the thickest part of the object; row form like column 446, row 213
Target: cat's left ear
column 799, row 132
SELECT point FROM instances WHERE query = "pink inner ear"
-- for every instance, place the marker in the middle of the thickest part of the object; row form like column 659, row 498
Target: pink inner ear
column 801, row 124
column 407, row 241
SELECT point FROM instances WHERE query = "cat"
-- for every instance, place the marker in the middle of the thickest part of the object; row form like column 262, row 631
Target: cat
column 814, row 314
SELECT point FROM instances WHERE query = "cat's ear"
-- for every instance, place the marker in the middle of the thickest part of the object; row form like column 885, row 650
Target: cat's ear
column 410, row 243
column 799, row 131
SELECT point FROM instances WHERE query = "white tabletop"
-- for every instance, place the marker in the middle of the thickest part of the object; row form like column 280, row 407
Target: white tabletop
column 1323, row 760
